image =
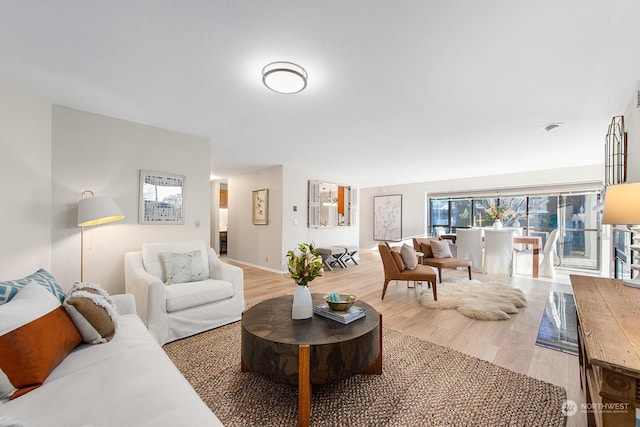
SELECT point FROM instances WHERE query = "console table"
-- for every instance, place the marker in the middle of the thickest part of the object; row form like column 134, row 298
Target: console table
column 609, row 349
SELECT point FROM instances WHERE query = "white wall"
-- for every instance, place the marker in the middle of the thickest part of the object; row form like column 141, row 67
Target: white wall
column 105, row 155
column 414, row 195
column 254, row 244
column 632, row 127
column 214, row 217
column 25, row 171
column 257, row 245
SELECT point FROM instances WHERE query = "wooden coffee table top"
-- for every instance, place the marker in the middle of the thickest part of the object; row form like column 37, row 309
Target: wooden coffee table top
column 271, row 320
column 271, row 340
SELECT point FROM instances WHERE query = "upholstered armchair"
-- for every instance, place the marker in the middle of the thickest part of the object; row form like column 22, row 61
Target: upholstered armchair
column 395, row 269
column 439, row 259
column 183, row 288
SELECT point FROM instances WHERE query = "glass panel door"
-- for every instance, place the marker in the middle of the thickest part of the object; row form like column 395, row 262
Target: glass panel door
column 580, row 238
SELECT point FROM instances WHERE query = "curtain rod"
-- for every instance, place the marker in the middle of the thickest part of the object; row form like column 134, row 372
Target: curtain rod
column 519, row 191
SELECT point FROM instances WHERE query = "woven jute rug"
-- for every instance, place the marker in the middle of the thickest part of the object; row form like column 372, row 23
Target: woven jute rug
column 423, row 384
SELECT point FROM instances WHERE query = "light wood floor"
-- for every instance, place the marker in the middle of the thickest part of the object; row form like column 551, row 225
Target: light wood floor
column 507, row 343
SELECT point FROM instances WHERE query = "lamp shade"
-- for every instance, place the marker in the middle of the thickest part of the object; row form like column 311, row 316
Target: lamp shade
column 622, row 204
column 98, row 210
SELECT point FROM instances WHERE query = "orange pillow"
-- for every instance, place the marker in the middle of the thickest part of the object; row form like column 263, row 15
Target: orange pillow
column 395, row 254
column 30, row 351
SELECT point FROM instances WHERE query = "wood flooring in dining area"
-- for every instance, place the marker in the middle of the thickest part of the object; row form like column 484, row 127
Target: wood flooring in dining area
column 507, row 343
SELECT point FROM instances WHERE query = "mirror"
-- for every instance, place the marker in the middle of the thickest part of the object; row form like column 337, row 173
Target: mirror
column 330, row 205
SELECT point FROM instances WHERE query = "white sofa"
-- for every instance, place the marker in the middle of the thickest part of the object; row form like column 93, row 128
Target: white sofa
column 179, row 310
column 129, row 381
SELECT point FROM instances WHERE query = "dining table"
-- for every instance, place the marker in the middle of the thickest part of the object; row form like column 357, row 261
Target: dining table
column 534, row 241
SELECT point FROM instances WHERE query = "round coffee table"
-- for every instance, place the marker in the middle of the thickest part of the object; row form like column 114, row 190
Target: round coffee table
column 311, row 351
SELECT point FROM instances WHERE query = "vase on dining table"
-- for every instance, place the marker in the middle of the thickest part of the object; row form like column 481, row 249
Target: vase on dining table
column 497, row 225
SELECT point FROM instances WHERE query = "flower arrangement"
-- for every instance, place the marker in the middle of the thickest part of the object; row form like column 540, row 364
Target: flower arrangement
column 305, row 265
column 499, row 213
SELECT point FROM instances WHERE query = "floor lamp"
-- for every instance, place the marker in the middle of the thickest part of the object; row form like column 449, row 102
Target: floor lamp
column 622, row 207
column 94, row 211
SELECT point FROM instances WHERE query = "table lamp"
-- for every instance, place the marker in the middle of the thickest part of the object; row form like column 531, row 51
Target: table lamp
column 94, row 211
column 622, row 207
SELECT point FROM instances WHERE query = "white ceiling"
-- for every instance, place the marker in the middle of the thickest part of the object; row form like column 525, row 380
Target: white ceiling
column 398, row 92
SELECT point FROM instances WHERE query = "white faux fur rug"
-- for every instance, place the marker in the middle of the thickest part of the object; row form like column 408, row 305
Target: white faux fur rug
column 475, row 299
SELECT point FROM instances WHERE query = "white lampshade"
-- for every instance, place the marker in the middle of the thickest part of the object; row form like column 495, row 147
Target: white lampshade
column 98, row 210
column 284, row 77
column 622, row 204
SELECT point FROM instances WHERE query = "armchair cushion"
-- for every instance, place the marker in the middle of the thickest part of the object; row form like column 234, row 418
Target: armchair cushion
column 425, row 248
column 409, row 257
column 152, row 259
column 440, row 249
column 397, row 258
column 193, row 294
column 183, row 267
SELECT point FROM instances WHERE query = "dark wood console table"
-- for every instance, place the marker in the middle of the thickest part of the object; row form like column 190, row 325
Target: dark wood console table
column 310, row 351
column 609, row 349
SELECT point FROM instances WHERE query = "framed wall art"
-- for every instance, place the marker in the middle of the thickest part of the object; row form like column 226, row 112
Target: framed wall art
column 261, row 207
column 387, row 218
column 161, row 198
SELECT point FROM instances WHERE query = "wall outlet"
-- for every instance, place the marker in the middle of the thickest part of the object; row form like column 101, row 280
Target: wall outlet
column 197, row 223
column 295, row 221
column 266, row 259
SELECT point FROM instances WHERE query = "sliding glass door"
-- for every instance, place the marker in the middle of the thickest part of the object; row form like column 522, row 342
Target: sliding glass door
column 572, row 214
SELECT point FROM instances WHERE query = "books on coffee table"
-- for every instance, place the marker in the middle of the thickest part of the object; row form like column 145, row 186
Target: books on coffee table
column 348, row 316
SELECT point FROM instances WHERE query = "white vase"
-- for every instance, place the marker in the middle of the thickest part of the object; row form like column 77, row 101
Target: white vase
column 497, row 224
column 302, row 307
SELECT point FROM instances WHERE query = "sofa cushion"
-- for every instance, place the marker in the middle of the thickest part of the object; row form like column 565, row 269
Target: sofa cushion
column 441, row 249
column 397, row 258
column 10, row 288
column 92, row 311
column 409, row 257
column 183, row 267
column 36, row 334
column 153, row 262
column 187, row 295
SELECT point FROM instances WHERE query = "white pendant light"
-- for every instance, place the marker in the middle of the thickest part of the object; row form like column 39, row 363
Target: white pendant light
column 284, row 77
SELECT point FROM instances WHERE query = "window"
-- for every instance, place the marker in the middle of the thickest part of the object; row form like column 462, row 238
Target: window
column 572, row 213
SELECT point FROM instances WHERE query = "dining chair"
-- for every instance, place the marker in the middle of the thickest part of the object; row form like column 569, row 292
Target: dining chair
column 469, row 246
column 440, row 231
column 548, row 258
column 498, row 252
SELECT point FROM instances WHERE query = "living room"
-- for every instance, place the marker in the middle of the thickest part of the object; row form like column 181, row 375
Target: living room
column 55, row 147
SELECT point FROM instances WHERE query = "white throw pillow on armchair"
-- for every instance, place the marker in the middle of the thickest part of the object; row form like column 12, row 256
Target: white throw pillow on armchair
column 409, row 257
column 440, row 249
column 154, row 264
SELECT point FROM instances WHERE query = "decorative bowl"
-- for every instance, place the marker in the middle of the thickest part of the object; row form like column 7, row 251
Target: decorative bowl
column 346, row 301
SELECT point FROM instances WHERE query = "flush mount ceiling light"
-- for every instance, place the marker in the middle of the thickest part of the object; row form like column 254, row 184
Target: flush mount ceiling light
column 284, row 77
column 552, row 126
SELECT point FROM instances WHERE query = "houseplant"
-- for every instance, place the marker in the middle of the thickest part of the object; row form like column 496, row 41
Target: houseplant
column 498, row 214
column 305, row 264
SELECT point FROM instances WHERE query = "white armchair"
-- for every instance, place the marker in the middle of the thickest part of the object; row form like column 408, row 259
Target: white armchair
column 182, row 309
